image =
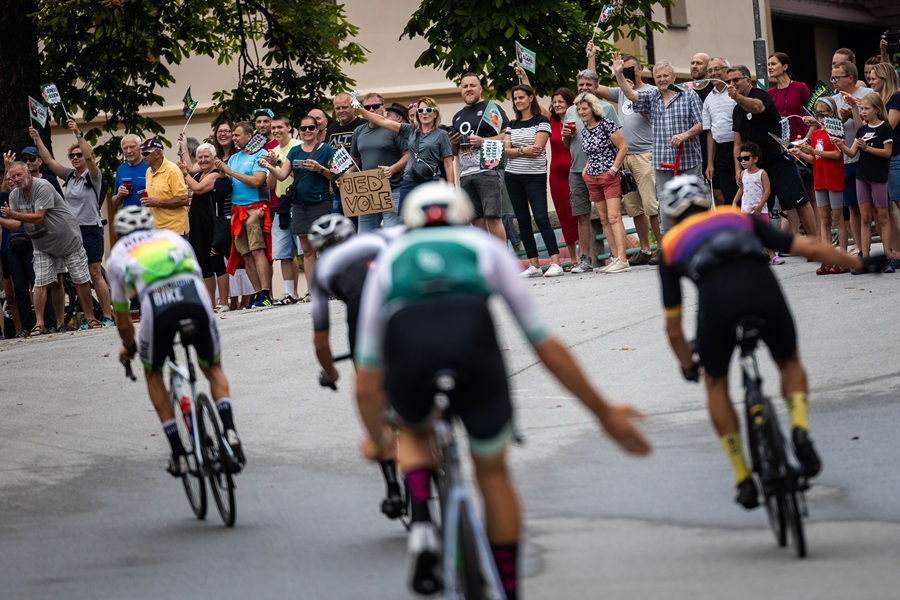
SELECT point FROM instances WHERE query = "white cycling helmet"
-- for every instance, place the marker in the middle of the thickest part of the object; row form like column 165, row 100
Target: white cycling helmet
column 437, row 203
column 132, row 218
column 683, row 192
column 330, row 230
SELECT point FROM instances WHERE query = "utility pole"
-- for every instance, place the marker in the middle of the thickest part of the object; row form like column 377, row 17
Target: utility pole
column 759, row 50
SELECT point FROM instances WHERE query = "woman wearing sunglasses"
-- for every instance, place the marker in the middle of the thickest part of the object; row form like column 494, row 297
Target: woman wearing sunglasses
column 429, row 145
column 310, row 163
column 83, row 183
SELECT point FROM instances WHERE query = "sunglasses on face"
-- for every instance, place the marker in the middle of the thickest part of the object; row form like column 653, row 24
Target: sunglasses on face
column 838, row 77
column 76, row 155
column 744, row 158
column 735, row 81
column 29, row 158
column 307, row 128
column 425, row 110
column 371, row 107
column 147, row 152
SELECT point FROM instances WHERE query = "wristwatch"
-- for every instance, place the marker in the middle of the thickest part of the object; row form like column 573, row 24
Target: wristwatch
column 278, row 162
column 79, row 135
column 520, row 149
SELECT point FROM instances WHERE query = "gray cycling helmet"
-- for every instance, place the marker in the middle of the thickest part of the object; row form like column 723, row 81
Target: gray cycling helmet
column 681, row 193
column 330, row 230
column 132, row 218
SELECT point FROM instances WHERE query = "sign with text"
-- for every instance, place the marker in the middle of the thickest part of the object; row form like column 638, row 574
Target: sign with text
column 341, row 163
column 491, row 153
column 256, row 143
column 365, row 192
column 833, row 126
column 525, row 57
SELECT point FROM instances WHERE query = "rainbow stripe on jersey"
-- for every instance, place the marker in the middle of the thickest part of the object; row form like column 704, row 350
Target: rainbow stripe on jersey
column 682, row 241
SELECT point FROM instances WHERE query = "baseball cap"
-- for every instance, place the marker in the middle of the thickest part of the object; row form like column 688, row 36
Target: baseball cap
column 152, row 144
column 31, row 151
column 263, row 112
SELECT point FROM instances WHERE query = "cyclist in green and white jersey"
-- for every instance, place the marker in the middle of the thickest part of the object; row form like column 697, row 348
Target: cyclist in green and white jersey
column 159, row 266
column 425, row 309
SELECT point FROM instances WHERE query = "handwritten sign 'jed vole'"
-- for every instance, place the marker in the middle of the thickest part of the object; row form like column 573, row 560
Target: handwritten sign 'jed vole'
column 365, row 192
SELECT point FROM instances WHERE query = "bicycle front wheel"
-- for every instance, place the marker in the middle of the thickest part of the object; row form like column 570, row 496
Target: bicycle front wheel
column 194, row 487
column 795, row 516
column 217, row 462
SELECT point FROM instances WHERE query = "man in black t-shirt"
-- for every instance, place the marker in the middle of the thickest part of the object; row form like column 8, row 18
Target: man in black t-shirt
column 754, row 118
column 484, row 186
column 340, row 135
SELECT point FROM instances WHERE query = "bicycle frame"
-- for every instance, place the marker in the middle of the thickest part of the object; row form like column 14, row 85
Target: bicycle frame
column 178, row 375
column 457, row 497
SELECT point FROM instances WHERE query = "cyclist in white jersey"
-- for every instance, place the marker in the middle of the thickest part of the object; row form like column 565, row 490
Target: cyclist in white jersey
column 425, row 308
column 160, row 268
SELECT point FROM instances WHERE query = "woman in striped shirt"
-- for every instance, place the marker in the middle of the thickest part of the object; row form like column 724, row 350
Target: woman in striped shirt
column 526, row 178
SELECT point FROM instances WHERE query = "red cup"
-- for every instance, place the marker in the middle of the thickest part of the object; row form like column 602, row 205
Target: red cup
column 142, row 194
column 127, row 183
column 570, row 125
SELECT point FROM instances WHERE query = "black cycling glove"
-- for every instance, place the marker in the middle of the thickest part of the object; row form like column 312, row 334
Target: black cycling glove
column 874, row 263
column 692, row 373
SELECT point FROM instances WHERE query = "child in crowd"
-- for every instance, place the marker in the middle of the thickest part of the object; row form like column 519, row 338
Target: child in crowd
column 828, row 179
column 874, row 140
column 755, row 188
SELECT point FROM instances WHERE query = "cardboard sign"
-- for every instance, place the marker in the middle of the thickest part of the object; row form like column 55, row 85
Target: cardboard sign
column 785, row 130
column 525, row 57
column 365, row 192
column 833, row 126
column 819, row 90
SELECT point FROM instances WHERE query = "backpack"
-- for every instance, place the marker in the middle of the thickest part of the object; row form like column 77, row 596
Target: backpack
column 100, row 194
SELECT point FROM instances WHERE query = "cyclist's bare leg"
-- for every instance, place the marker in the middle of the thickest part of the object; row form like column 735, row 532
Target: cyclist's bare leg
column 221, row 393
column 795, row 387
column 502, row 516
column 725, row 422
column 159, row 396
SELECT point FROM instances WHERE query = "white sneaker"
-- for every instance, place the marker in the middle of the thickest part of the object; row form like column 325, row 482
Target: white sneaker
column 554, row 270
column 609, row 265
column 222, row 308
column 619, row 266
column 423, row 551
column 531, row 271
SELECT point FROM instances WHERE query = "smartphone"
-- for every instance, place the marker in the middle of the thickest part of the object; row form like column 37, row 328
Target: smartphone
column 628, row 73
column 893, row 42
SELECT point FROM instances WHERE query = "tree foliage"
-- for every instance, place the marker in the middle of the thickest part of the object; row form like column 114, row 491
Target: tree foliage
column 479, row 36
column 113, row 57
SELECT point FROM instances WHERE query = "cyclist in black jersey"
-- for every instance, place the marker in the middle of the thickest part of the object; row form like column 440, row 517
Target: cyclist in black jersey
column 425, row 308
column 724, row 253
column 340, row 273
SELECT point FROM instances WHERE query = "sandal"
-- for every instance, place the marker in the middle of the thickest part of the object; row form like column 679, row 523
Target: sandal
column 94, row 324
column 286, row 300
column 304, row 299
column 824, row 270
column 836, row 270
column 37, row 330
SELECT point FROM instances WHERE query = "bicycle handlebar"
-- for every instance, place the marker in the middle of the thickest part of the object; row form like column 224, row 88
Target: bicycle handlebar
column 323, row 378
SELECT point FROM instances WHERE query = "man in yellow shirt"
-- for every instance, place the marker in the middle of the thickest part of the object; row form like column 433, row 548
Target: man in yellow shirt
column 166, row 194
column 284, row 245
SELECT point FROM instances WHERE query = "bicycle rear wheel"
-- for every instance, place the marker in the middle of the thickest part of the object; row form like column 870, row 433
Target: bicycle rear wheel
column 470, row 581
column 194, row 487
column 769, row 465
column 217, row 462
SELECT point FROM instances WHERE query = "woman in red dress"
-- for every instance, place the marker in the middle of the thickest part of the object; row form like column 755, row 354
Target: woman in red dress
column 560, row 163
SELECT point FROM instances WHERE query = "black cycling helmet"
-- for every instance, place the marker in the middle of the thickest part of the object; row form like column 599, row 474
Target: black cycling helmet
column 330, row 230
column 437, row 203
column 681, row 193
column 132, row 218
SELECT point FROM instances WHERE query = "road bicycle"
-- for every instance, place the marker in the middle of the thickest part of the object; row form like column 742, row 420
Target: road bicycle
column 781, row 481
column 468, row 564
column 209, row 455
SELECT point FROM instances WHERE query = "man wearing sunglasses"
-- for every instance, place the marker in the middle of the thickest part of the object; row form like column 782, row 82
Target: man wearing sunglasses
column 753, row 119
column 374, row 147
column 85, row 193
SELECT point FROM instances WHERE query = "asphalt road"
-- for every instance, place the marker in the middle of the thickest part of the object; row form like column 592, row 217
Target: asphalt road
column 87, row 512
